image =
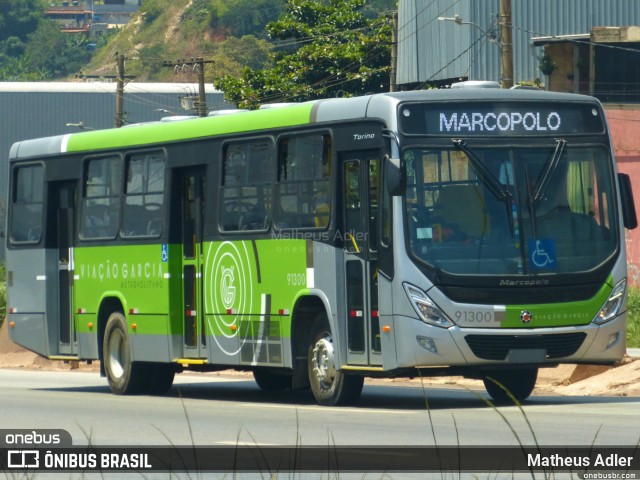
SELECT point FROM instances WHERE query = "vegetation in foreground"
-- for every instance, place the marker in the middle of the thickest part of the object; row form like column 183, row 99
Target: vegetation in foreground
column 633, row 318
column 3, row 293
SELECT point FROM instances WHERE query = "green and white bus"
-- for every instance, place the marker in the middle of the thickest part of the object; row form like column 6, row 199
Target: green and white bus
column 473, row 232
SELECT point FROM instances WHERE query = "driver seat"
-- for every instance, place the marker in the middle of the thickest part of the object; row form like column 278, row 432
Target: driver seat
column 463, row 205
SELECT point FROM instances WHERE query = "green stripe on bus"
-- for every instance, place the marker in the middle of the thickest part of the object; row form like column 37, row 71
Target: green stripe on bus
column 147, row 134
column 150, row 286
column 557, row 314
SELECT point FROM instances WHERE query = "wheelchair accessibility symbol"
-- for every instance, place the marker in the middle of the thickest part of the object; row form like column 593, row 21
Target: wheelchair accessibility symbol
column 542, row 253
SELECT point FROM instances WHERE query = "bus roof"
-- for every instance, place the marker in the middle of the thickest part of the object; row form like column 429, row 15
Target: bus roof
column 336, row 109
column 150, row 133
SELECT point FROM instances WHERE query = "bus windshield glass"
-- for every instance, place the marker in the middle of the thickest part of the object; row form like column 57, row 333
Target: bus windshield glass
column 510, row 211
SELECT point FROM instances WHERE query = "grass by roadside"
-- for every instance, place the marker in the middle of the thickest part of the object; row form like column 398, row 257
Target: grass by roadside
column 3, row 292
column 633, row 318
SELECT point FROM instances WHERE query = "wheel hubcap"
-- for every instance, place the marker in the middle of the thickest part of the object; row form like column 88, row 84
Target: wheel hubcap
column 323, row 362
column 116, row 355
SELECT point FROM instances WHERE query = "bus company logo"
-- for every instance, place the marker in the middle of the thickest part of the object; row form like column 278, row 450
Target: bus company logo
column 526, row 317
column 227, row 287
column 229, row 292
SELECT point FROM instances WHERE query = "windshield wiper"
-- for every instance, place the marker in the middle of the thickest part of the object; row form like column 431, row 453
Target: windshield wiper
column 547, row 174
column 496, row 188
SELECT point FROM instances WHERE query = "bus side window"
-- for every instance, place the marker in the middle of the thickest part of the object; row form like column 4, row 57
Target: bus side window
column 143, row 214
column 26, row 215
column 303, row 194
column 102, row 184
column 247, row 175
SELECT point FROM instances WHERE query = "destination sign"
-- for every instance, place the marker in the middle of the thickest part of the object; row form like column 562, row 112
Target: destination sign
column 493, row 119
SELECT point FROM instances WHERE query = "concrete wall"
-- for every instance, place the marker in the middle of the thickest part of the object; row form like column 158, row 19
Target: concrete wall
column 562, row 78
column 624, row 125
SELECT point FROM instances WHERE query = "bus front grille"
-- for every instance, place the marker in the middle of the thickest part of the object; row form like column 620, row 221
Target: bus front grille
column 497, row 347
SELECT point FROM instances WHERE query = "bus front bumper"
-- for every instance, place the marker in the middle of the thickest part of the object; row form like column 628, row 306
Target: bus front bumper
column 418, row 344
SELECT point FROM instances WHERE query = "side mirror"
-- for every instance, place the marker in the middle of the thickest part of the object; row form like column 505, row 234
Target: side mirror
column 394, row 177
column 628, row 207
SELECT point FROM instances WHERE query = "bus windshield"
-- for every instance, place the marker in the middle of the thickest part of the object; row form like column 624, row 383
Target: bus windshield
column 510, row 211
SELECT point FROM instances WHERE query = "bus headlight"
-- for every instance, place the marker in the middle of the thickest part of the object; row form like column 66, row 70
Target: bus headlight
column 425, row 308
column 611, row 307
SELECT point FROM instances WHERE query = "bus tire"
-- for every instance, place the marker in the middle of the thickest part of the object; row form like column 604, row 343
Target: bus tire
column 330, row 386
column 124, row 376
column 161, row 377
column 519, row 382
column 270, row 381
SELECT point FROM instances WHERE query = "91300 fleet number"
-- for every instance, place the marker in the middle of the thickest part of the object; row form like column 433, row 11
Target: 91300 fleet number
column 470, row 316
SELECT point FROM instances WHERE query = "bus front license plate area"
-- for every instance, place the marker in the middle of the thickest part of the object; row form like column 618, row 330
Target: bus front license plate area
column 530, row 355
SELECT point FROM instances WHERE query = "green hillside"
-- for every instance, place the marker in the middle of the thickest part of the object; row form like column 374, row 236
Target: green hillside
column 165, row 31
column 231, row 33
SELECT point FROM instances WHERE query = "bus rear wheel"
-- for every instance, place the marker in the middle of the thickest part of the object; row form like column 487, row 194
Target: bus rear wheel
column 330, row 386
column 517, row 382
column 124, row 376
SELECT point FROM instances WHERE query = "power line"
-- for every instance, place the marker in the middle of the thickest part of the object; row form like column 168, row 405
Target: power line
column 426, row 24
column 415, row 31
column 422, row 85
column 197, row 65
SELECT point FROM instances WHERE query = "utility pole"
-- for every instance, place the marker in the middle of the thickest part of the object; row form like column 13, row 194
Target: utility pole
column 120, row 78
column 119, row 90
column 506, row 43
column 394, row 52
column 197, row 65
column 202, row 106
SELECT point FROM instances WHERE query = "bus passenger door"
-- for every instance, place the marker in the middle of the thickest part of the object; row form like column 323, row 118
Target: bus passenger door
column 192, row 203
column 360, row 194
column 62, row 202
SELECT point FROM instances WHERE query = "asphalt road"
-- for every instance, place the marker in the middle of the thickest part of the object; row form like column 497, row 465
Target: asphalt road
column 210, row 410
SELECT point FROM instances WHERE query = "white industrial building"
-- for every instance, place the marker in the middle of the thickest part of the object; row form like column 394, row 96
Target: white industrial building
column 41, row 109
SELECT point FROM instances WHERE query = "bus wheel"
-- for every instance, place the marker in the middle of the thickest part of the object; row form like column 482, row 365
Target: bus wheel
column 124, row 376
column 330, row 386
column 271, row 382
column 161, row 377
column 518, row 382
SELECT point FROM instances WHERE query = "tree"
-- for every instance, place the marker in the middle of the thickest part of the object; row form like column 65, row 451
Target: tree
column 231, row 17
column 238, row 53
column 249, row 17
column 326, row 49
column 19, row 18
column 152, row 9
column 33, row 48
column 54, row 52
